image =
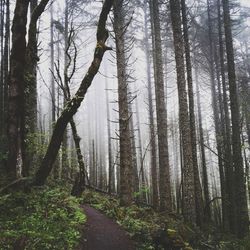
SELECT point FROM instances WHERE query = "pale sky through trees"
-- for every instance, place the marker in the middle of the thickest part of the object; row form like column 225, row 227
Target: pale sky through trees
column 92, row 113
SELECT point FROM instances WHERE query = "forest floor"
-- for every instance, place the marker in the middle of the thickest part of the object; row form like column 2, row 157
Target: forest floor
column 102, row 233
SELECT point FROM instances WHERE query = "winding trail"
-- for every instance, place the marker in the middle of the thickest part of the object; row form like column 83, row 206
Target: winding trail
column 101, row 233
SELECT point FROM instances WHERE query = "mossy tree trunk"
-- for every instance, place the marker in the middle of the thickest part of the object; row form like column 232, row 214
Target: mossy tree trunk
column 16, row 86
column 29, row 123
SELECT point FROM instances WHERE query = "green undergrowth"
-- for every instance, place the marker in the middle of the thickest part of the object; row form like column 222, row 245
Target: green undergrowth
column 150, row 230
column 47, row 218
column 153, row 230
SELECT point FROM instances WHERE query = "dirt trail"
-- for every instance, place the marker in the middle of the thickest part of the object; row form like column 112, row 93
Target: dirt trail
column 101, row 233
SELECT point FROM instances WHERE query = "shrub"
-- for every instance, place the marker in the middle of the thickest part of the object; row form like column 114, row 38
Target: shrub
column 42, row 219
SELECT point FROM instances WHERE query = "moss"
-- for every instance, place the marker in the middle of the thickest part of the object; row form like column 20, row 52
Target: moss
column 152, row 230
column 42, row 219
column 148, row 228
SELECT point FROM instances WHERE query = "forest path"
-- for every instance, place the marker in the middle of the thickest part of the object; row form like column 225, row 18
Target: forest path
column 102, row 233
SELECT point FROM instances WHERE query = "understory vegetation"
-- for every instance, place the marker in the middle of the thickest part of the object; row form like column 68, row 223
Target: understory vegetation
column 41, row 219
column 153, row 230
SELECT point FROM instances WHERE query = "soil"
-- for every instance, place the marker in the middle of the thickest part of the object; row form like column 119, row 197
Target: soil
column 102, row 233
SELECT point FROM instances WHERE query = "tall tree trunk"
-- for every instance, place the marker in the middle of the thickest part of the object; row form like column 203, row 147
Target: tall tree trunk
column 161, row 112
column 30, row 118
column 1, row 73
column 16, row 85
column 198, row 190
column 52, row 84
column 126, row 164
column 65, row 162
column 4, row 93
column 111, row 172
column 207, row 210
column 226, row 122
column 141, row 160
column 134, row 153
column 189, row 206
column 240, row 183
column 226, row 174
column 52, row 68
column 6, row 64
column 94, row 183
column 80, row 183
column 153, row 154
column 29, row 122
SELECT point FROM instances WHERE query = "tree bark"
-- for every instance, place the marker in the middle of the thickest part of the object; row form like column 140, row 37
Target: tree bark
column 161, row 112
column 64, row 148
column 29, row 121
column 226, row 174
column 126, row 160
column 226, row 122
column 189, row 206
column 240, row 183
column 141, row 157
column 1, row 74
column 16, row 86
column 4, row 93
column 111, row 172
column 198, row 190
column 133, row 149
column 153, row 153
column 207, row 210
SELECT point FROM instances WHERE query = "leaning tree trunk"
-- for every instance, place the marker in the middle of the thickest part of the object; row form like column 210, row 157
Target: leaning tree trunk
column 240, row 183
column 80, row 180
column 73, row 105
column 189, row 206
column 79, row 184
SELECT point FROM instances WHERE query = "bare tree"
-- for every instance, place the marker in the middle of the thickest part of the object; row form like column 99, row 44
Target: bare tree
column 72, row 106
